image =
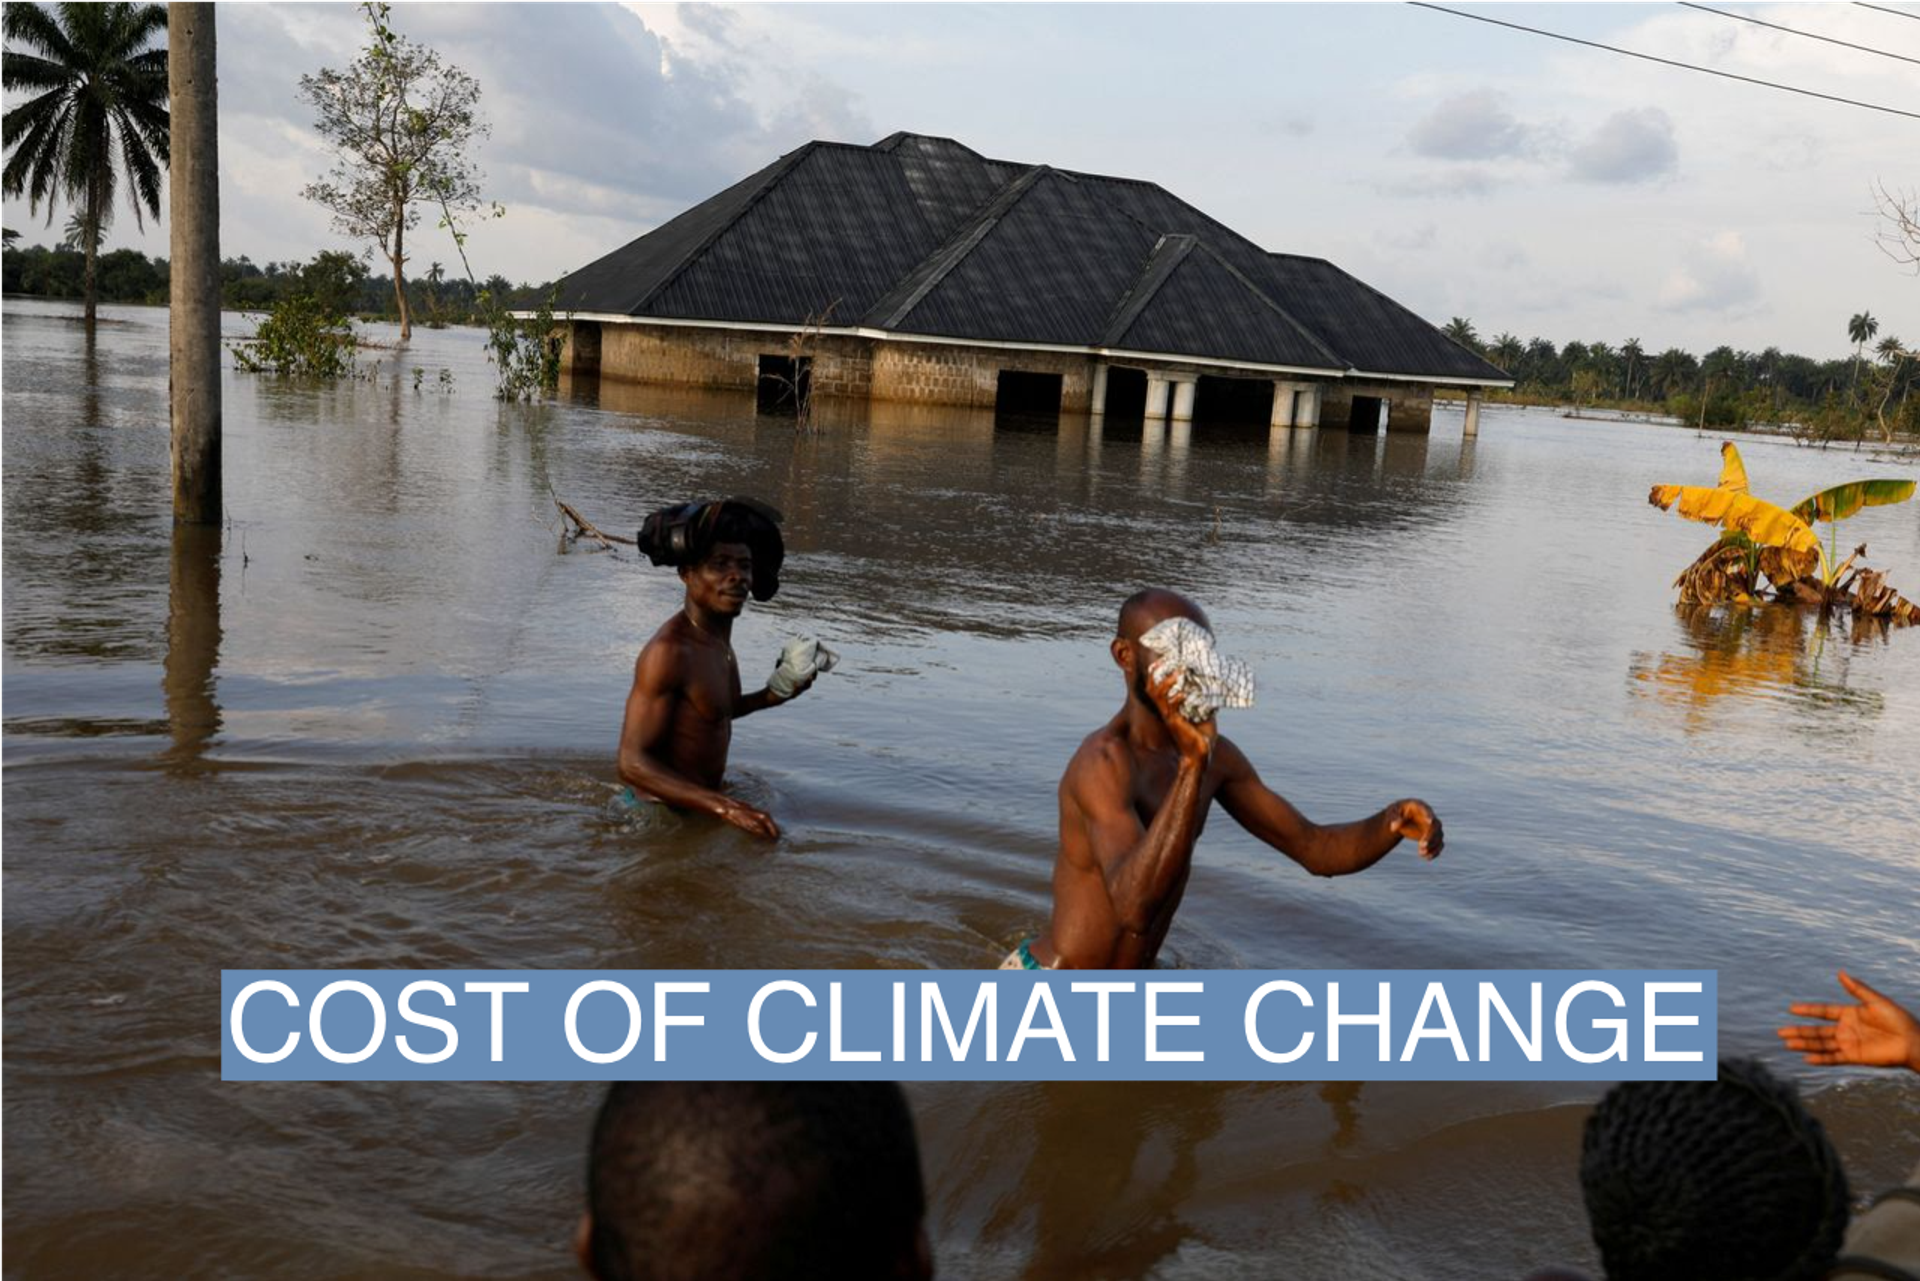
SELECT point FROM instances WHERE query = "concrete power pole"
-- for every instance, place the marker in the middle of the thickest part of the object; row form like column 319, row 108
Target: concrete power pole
column 193, row 342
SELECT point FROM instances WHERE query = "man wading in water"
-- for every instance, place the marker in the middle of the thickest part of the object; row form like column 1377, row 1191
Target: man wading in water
column 686, row 684
column 1134, row 801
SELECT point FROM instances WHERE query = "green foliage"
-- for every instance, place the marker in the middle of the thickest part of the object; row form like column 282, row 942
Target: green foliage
column 89, row 91
column 525, row 353
column 299, row 337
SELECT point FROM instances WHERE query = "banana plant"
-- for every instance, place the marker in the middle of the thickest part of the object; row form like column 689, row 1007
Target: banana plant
column 1761, row 538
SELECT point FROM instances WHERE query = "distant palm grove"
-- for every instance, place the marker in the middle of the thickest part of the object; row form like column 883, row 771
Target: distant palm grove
column 340, row 279
column 1868, row 393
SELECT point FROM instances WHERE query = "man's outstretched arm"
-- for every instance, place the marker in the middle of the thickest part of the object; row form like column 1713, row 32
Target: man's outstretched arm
column 1334, row 850
column 645, row 733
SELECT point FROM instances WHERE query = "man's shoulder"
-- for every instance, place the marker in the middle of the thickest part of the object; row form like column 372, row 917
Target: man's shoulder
column 665, row 652
column 1101, row 758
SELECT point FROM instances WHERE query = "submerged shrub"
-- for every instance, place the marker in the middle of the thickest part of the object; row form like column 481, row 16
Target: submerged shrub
column 300, row 337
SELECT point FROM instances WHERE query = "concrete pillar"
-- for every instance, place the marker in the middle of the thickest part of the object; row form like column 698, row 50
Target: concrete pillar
column 1183, row 400
column 1180, row 435
column 1097, row 400
column 193, row 215
column 1156, row 398
column 1308, row 414
column 1473, row 415
column 1282, row 404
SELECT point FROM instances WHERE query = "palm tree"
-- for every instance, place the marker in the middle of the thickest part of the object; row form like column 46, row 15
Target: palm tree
column 74, row 235
column 98, row 106
column 1861, row 328
column 1633, row 353
column 1460, row 330
column 1890, row 348
column 1507, row 351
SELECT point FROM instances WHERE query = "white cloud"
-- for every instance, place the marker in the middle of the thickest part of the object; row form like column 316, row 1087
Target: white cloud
column 1635, row 145
column 1716, row 277
column 1469, row 126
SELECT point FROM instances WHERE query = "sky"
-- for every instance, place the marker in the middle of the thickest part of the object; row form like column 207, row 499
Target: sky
column 1461, row 168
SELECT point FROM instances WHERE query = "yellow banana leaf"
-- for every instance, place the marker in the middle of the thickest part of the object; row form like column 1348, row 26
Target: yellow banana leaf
column 1765, row 524
column 1843, row 501
column 1733, row 472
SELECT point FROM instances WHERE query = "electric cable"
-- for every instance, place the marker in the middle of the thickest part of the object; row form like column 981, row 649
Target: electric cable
column 1669, row 62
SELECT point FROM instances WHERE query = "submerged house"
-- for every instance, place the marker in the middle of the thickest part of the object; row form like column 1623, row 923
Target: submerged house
column 918, row 270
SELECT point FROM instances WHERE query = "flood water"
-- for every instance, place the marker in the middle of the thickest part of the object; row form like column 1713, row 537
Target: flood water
column 371, row 724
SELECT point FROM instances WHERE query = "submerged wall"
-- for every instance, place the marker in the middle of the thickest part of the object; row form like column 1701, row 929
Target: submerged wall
column 916, row 373
column 1410, row 405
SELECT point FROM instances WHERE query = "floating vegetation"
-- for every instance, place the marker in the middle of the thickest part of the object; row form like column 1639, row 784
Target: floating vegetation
column 1773, row 552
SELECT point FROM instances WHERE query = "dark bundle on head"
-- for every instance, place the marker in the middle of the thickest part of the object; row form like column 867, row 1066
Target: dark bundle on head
column 708, row 1181
column 1704, row 1180
column 685, row 534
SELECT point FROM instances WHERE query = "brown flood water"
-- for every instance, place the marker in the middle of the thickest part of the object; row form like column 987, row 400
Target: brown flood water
column 371, row 725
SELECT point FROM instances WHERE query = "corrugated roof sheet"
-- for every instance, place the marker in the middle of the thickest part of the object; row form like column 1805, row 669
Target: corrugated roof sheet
column 921, row 235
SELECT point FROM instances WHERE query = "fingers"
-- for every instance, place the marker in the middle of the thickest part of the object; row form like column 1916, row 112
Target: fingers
column 1808, row 1038
column 1818, row 1010
column 752, row 821
column 1860, row 991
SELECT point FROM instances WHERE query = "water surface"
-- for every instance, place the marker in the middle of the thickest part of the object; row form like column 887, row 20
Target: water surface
column 370, row 723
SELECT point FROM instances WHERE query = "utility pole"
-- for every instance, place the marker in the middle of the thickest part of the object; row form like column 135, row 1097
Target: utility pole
column 193, row 336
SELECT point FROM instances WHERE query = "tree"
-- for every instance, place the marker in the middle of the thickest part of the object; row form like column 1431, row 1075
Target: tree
column 1460, row 330
column 1888, row 348
column 1633, row 354
column 1899, row 234
column 400, row 123
column 98, row 105
column 1861, row 328
column 1507, row 350
column 74, row 235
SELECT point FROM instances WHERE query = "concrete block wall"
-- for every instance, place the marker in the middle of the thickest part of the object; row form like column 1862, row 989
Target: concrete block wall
column 716, row 359
column 1411, row 404
column 939, row 374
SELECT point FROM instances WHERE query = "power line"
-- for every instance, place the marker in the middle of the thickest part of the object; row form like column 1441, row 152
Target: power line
column 1845, row 44
column 1898, row 13
column 1667, row 62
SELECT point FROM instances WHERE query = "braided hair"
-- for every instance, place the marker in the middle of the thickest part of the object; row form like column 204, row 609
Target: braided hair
column 1712, row 1181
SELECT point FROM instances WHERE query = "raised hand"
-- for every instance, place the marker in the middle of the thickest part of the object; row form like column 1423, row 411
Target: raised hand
column 1416, row 821
column 1874, row 1033
column 1194, row 739
column 748, row 819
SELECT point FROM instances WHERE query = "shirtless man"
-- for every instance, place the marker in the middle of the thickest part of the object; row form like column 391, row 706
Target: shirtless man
column 1135, row 799
column 686, row 686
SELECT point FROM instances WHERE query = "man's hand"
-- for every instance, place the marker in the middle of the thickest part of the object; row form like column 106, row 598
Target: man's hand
column 1194, row 739
column 748, row 819
column 1874, row 1033
column 1416, row 821
column 774, row 700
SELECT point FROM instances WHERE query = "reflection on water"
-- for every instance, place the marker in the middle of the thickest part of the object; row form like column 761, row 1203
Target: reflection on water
column 1771, row 651
column 193, row 642
column 384, row 711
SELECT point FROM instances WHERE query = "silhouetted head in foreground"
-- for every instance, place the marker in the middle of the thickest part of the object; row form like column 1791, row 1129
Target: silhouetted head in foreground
column 726, row 1181
column 1705, row 1180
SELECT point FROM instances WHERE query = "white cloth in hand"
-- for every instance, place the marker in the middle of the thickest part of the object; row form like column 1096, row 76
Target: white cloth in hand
column 1204, row 680
column 800, row 661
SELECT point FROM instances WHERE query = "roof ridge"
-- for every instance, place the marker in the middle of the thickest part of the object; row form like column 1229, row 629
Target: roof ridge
column 1167, row 253
column 776, row 171
column 1396, row 303
column 892, row 142
column 1278, row 310
column 940, row 263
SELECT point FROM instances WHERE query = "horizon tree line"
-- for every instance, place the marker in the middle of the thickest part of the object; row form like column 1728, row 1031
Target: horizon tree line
column 1732, row 385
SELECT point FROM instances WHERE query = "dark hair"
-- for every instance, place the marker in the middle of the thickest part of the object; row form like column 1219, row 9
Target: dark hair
column 1703, row 1180
column 714, row 1180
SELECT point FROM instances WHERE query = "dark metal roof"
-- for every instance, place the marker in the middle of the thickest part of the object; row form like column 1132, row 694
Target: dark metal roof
column 922, row 235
